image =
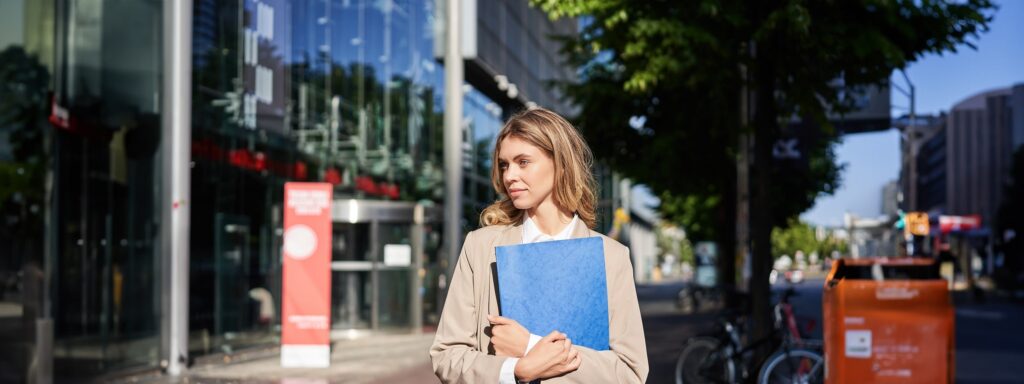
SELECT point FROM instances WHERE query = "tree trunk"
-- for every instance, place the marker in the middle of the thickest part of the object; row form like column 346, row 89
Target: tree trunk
column 726, row 239
column 765, row 134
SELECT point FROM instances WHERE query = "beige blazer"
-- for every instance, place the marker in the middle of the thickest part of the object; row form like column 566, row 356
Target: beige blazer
column 461, row 350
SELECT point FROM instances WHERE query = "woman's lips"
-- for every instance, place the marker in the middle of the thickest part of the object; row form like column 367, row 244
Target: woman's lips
column 516, row 192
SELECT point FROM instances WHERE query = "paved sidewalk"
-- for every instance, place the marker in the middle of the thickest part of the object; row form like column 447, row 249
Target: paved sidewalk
column 378, row 359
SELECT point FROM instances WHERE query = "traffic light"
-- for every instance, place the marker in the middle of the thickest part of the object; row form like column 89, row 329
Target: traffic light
column 917, row 223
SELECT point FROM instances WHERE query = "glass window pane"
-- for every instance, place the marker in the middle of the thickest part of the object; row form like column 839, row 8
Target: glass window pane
column 25, row 78
column 103, row 151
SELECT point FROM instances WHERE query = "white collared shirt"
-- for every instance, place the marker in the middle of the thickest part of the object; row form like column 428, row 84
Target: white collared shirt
column 532, row 234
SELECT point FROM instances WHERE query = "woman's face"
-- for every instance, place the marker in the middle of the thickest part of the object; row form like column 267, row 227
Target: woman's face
column 526, row 171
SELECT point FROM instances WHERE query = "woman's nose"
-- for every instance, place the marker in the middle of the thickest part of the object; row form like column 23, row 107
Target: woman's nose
column 509, row 175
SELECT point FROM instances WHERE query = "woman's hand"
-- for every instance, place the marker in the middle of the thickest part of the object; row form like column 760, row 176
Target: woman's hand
column 553, row 356
column 509, row 338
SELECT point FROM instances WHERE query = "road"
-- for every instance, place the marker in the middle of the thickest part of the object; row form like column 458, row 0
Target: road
column 666, row 328
column 989, row 342
column 989, row 345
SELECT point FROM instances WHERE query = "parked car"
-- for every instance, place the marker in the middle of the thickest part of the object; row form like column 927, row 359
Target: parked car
column 792, row 276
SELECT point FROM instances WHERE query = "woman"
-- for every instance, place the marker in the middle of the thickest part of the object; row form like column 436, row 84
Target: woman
column 541, row 170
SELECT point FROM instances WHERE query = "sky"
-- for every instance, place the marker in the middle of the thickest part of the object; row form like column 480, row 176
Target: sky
column 873, row 159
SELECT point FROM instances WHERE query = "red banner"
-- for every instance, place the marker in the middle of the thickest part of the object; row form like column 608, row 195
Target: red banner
column 959, row 223
column 306, row 289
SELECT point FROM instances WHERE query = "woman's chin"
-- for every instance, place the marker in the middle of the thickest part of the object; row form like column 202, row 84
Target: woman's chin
column 521, row 205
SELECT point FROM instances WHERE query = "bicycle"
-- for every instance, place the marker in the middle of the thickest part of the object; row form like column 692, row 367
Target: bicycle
column 722, row 357
column 797, row 360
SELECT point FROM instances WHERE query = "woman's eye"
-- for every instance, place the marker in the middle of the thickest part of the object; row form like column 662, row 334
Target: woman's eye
column 502, row 166
column 522, row 163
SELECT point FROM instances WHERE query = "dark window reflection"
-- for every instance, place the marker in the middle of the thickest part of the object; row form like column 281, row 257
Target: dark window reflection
column 106, row 152
column 79, row 184
column 24, row 84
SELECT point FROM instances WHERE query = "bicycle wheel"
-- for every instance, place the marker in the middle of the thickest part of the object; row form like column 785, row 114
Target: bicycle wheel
column 797, row 366
column 703, row 362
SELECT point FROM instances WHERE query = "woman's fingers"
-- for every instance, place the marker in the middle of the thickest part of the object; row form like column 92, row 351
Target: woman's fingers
column 572, row 355
column 499, row 320
column 553, row 337
column 575, row 363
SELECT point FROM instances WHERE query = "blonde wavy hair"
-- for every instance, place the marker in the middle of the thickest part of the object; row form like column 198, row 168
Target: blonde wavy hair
column 575, row 188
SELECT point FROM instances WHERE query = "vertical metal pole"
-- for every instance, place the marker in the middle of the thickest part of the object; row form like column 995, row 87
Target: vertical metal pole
column 912, row 149
column 453, row 78
column 42, row 369
column 375, row 260
column 416, row 280
column 43, row 358
column 176, row 115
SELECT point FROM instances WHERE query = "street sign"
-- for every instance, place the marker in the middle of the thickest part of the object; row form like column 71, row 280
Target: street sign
column 706, row 253
column 306, row 285
column 949, row 224
column 917, row 223
column 786, row 149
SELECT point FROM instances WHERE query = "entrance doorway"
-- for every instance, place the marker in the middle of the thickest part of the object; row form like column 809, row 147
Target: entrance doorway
column 377, row 263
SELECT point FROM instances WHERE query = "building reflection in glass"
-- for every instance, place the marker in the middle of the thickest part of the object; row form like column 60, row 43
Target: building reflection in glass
column 344, row 92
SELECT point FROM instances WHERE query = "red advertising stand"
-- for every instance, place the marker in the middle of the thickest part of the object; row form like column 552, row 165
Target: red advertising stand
column 306, row 289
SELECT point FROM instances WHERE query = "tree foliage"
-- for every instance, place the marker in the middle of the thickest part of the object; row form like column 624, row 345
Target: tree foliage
column 669, row 243
column 674, row 70
column 800, row 236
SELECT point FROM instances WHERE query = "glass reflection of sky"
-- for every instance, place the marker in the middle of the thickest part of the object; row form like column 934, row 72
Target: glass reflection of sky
column 394, row 38
column 484, row 117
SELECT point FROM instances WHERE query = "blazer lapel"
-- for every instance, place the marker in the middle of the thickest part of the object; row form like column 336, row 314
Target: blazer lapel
column 581, row 230
column 511, row 235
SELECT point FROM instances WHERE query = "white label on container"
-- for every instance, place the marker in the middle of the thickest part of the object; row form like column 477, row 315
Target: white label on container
column 397, row 255
column 858, row 344
column 895, row 293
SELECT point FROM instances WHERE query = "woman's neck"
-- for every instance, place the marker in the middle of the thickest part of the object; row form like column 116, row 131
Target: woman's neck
column 549, row 219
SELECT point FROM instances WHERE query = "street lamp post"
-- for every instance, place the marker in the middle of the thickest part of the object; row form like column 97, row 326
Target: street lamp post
column 911, row 155
column 911, row 133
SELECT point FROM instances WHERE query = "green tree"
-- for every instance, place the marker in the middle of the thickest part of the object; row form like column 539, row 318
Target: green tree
column 798, row 236
column 670, row 243
column 674, row 69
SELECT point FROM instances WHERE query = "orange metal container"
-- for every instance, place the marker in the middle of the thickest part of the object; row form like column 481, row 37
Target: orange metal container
column 887, row 321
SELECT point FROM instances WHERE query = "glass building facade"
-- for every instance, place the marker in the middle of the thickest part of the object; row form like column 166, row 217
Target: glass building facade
column 341, row 92
column 79, row 186
column 347, row 92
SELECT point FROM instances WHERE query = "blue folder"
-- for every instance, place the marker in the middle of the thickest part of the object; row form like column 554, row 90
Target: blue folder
column 556, row 285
